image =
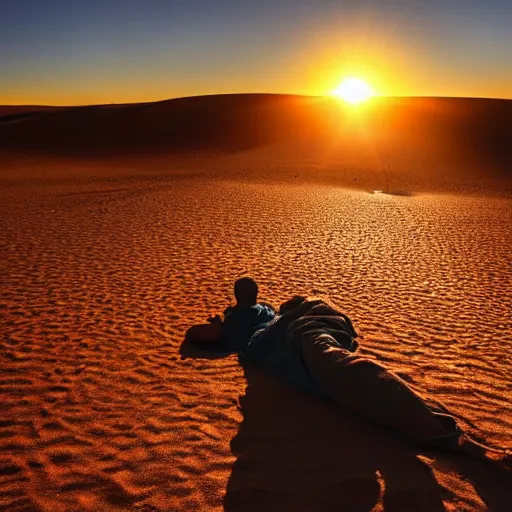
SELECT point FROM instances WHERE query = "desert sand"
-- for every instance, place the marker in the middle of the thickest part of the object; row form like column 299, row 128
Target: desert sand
column 108, row 253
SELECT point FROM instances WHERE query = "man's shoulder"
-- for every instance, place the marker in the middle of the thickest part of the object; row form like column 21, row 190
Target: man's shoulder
column 260, row 308
column 236, row 311
column 266, row 305
column 265, row 312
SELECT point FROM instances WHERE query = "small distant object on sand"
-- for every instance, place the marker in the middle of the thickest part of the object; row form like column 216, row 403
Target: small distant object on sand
column 402, row 193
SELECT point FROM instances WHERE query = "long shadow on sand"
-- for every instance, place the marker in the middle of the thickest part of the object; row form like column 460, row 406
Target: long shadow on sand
column 296, row 452
column 188, row 349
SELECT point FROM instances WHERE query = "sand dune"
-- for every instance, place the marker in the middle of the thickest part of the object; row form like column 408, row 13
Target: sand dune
column 442, row 138
column 102, row 276
column 13, row 113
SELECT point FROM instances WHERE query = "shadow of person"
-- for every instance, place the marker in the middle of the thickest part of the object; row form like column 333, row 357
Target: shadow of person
column 197, row 350
column 297, row 452
column 492, row 483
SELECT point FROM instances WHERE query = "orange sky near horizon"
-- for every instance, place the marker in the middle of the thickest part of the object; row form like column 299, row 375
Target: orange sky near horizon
column 273, row 48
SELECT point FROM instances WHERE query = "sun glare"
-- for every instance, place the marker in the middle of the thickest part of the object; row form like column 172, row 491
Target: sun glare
column 353, row 90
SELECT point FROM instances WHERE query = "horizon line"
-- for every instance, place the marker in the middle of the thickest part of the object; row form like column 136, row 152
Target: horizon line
column 79, row 105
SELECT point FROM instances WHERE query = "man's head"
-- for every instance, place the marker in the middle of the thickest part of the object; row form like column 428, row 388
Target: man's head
column 246, row 291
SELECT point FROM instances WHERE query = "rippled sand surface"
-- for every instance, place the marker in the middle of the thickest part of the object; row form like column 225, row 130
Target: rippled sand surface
column 100, row 280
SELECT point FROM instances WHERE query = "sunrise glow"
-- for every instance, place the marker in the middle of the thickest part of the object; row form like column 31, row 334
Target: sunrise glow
column 353, row 90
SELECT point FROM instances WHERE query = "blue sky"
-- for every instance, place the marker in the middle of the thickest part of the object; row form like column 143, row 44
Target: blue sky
column 79, row 52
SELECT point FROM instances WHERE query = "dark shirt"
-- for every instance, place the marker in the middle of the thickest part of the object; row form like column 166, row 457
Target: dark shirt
column 240, row 323
column 278, row 347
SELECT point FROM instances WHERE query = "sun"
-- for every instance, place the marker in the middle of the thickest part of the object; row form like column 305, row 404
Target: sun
column 353, row 90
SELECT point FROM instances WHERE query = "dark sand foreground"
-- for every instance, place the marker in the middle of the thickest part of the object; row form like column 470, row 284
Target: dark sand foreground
column 103, row 271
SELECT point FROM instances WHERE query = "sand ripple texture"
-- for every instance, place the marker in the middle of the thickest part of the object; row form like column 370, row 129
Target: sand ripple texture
column 100, row 282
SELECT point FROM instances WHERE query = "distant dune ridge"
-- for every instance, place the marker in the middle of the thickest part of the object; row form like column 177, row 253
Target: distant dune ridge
column 441, row 137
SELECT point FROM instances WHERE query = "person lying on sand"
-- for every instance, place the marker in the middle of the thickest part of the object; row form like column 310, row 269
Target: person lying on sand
column 232, row 332
column 313, row 346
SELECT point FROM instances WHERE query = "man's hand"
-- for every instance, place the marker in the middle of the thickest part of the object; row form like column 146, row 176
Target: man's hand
column 215, row 319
